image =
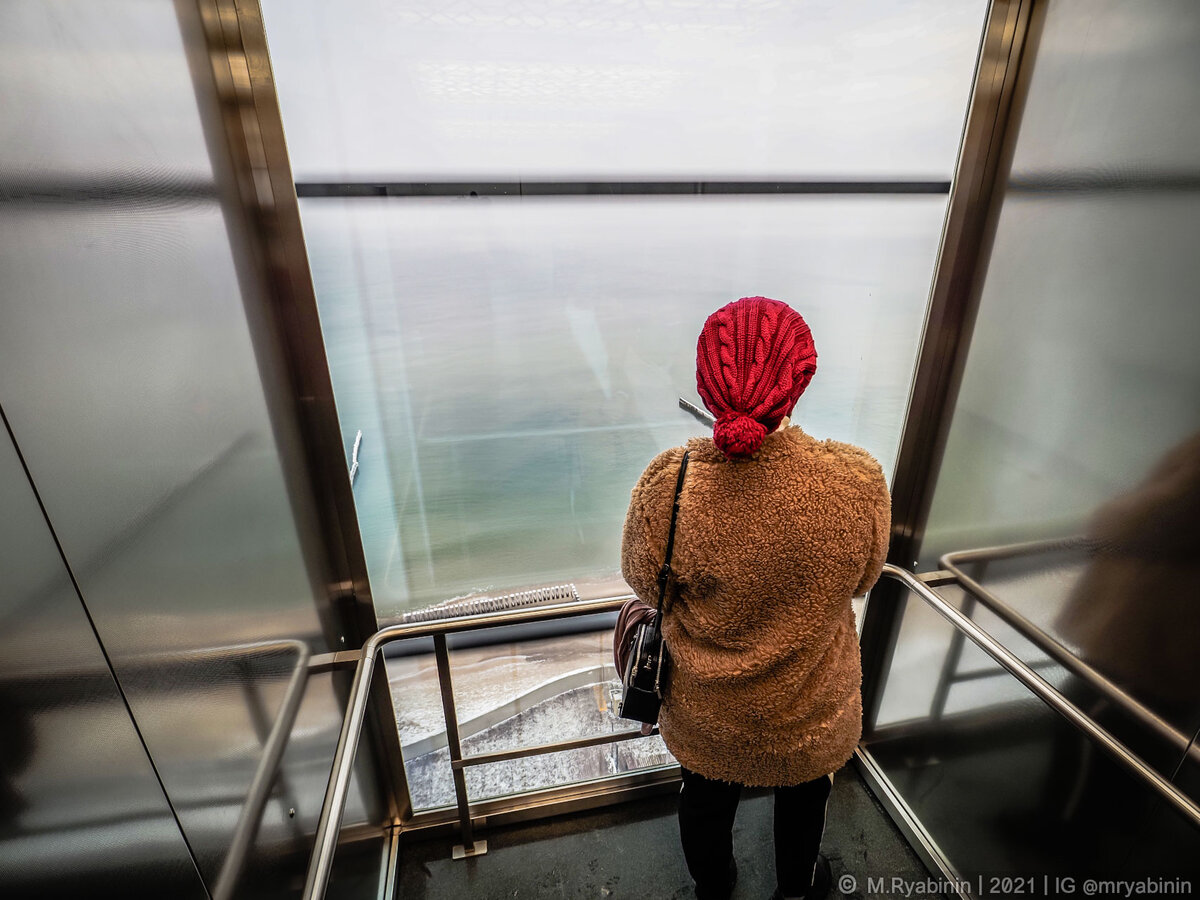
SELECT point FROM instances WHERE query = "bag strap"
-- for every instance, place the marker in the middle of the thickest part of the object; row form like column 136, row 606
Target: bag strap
column 665, row 573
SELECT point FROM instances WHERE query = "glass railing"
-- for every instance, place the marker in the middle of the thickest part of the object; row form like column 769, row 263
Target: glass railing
column 570, row 785
column 959, row 834
column 511, row 694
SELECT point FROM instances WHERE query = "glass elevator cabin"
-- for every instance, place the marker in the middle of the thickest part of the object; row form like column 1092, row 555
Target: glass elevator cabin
column 334, row 336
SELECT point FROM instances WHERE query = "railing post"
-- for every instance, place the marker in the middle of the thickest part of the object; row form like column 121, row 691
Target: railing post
column 333, row 808
column 469, row 846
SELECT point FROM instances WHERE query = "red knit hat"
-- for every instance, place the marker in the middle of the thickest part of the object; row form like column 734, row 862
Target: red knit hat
column 754, row 359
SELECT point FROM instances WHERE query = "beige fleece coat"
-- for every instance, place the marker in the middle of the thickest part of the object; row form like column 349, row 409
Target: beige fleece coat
column 766, row 677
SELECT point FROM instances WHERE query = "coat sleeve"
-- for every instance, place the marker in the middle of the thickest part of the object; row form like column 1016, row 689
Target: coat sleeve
column 644, row 539
column 881, row 528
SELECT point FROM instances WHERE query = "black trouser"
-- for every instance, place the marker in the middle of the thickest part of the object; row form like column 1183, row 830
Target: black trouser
column 706, row 811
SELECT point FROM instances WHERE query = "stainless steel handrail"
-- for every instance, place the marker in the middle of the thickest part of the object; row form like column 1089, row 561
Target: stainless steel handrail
column 1047, row 693
column 250, row 816
column 952, row 563
column 325, row 846
column 321, row 862
column 267, row 770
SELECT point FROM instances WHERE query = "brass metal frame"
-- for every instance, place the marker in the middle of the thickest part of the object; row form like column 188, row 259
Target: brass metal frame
column 390, row 866
column 266, row 230
column 1001, row 78
column 254, row 130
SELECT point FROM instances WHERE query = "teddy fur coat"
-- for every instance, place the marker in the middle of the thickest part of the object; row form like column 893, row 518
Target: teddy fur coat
column 765, row 684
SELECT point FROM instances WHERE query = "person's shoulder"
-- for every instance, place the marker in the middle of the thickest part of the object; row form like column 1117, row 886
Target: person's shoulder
column 663, row 467
column 855, row 456
column 852, row 459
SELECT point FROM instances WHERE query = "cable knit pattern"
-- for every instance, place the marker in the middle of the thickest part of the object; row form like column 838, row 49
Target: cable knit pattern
column 754, row 358
column 766, row 678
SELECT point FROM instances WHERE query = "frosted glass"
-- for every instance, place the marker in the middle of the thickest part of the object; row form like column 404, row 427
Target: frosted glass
column 542, row 88
column 523, row 358
column 1079, row 412
column 73, row 80
column 1083, row 371
column 1114, row 90
column 165, row 456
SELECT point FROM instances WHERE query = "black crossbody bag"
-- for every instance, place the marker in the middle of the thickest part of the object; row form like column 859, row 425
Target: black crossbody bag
column 646, row 671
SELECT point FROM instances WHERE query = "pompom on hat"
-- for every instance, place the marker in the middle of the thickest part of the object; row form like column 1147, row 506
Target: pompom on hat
column 754, row 359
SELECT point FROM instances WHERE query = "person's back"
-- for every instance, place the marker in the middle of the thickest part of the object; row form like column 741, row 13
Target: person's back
column 776, row 533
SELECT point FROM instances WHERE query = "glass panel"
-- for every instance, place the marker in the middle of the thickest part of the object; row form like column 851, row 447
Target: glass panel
column 81, row 812
column 432, row 786
column 1082, row 373
column 548, row 689
column 512, row 364
column 1006, row 787
column 130, row 325
column 512, row 695
column 377, row 89
column 925, row 678
column 566, row 767
column 360, row 870
column 1114, row 91
column 75, row 78
column 417, row 700
column 523, row 358
column 1078, row 417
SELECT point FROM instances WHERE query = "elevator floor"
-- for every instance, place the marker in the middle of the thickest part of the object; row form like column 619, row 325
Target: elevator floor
column 632, row 851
